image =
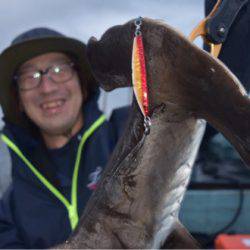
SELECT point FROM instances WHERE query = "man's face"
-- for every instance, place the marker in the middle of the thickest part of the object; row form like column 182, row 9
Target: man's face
column 55, row 107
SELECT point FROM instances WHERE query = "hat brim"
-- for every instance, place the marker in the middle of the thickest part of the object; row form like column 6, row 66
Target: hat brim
column 17, row 54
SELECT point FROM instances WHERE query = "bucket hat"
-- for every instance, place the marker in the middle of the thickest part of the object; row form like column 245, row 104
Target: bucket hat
column 29, row 44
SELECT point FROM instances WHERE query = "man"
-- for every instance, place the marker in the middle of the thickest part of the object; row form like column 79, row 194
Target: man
column 215, row 150
column 58, row 138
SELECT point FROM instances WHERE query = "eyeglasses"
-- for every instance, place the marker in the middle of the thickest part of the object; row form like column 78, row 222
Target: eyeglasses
column 57, row 73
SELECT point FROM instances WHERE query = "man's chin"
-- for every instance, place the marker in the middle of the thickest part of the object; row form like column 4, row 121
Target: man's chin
column 53, row 128
column 58, row 131
column 60, row 128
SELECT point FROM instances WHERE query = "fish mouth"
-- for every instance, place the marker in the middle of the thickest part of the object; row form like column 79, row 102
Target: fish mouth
column 103, row 65
column 92, row 51
column 98, row 65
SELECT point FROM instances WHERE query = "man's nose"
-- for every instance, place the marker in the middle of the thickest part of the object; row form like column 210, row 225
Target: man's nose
column 47, row 85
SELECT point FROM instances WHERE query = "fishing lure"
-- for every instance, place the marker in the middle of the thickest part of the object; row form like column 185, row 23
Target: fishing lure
column 139, row 76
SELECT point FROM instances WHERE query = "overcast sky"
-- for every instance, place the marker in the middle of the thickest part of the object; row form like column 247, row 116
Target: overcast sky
column 83, row 18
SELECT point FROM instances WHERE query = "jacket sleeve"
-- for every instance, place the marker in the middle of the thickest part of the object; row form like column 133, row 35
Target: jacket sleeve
column 9, row 235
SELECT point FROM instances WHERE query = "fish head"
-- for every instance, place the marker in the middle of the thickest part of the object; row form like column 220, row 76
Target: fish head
column 110, row 58
column 179, row 74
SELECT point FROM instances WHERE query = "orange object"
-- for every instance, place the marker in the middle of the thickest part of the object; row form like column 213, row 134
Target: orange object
column 236, row 241
column 200, row 30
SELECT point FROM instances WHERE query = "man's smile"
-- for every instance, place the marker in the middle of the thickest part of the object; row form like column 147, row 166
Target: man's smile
column 53, row 107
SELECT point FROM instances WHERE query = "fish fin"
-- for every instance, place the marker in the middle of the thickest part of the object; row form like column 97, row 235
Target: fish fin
column 180, row 238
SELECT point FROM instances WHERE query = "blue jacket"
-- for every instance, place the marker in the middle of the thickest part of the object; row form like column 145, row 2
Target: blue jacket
column 31, row 216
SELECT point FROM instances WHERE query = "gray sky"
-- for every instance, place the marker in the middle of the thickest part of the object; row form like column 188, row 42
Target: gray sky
column 84, row 18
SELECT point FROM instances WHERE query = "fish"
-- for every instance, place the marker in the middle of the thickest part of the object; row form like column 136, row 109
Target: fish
column 138, row 199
